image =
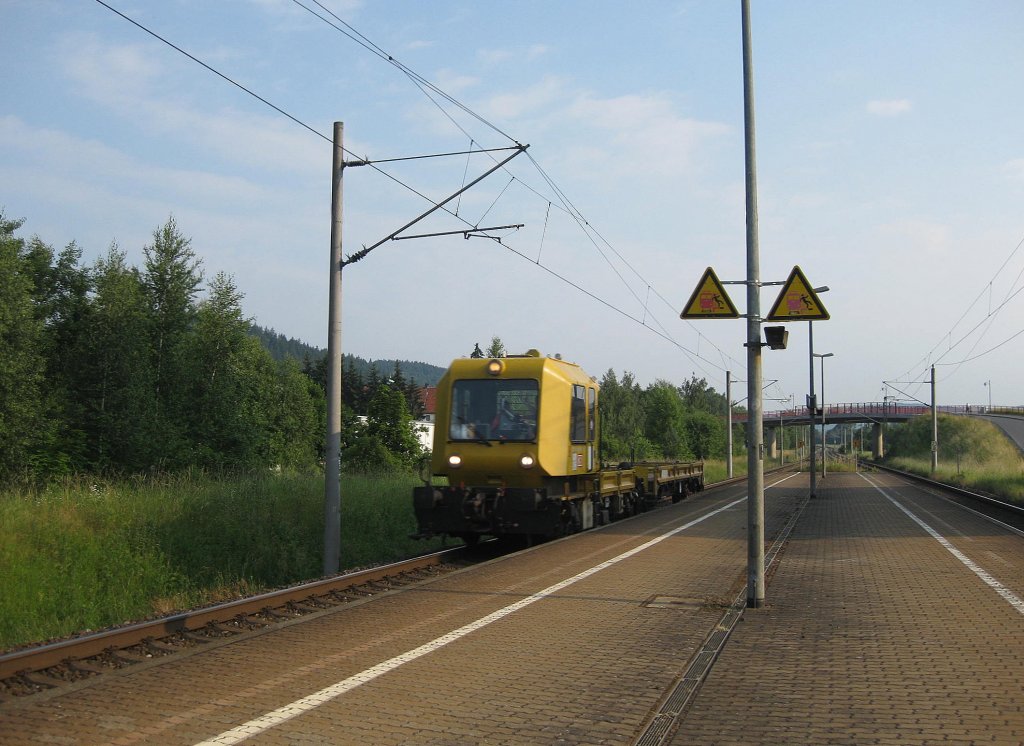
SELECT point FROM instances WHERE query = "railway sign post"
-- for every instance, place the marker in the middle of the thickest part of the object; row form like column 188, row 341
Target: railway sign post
column 709, row 300
column 799, row 301
column 755, row 434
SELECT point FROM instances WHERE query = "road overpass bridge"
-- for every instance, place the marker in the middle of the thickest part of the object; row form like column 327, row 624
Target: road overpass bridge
column 877, row 414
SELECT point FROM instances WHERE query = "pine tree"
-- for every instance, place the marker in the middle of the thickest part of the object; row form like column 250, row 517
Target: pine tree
column 24, row 426
column 172, row 277
column 222, row 379
column 60, row 301
column 114, row 379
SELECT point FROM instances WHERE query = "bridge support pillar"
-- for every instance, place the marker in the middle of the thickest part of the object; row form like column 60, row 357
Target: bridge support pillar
column 877, row 441
column 773, row 442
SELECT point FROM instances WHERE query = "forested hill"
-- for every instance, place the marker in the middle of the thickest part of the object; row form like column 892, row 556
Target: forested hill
column 281, row 347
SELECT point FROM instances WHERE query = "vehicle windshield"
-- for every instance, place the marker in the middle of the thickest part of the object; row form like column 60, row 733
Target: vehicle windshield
column 494, row 409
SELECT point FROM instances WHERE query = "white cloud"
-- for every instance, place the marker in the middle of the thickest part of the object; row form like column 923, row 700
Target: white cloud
column 128, row 81
column 494, row 56
column 889, row 107
column 84, row 166
column 501, row 56
column 536, row 98
column 286, row 7
column 536, row 51
column 454, row 83
column 647, row 129
column 919, row 239
column 1014, row 169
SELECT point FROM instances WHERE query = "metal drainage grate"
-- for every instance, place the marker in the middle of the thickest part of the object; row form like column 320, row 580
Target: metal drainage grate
column 700, row 665
column 673, row 602
column 656, row 731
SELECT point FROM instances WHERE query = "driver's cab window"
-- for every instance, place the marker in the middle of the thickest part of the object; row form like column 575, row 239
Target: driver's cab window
column 489, row 409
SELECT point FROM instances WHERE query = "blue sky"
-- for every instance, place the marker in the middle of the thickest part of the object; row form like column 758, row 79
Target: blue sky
column 890, row 168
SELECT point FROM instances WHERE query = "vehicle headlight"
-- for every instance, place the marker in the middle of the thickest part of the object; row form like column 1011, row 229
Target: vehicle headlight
column 526, row 461
column 455, row 461
column 495, row 366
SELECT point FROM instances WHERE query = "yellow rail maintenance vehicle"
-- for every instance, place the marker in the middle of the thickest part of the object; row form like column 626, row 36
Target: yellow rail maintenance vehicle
column 517, row 439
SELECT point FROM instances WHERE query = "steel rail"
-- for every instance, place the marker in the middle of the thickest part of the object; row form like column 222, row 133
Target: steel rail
column 1013, row 508
column 43, row 656
column 39, row 657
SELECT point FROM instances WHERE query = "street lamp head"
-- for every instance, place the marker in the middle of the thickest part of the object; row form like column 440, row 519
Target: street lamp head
column 823, row 354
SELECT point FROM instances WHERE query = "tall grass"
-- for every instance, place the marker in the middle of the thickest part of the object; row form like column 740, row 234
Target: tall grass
column 1001, row 479
column 973, row 454
column 87, row 554
column 716, row 470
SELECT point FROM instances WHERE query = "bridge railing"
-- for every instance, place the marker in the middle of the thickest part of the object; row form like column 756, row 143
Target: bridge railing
column 878, row 411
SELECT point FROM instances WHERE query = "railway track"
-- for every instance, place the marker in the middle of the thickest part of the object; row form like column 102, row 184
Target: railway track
column 56, row 665
column 1011, row 514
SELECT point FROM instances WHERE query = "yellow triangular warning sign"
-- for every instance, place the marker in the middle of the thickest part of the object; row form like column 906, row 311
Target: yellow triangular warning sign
column 709, row 300
column 797, row 301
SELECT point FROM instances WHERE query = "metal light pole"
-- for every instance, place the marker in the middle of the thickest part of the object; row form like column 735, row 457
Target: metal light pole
column 988, row 385
column 822, row 356
column 811, row 402
column 935, row 427
column 781, row 437
column 782, row 441
column 728, row 424
column 755, row 418
column 782, row 432
column 782, row 429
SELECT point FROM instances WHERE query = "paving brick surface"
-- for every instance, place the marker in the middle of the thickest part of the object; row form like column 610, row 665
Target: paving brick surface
column 584, row 665
column 874, row 632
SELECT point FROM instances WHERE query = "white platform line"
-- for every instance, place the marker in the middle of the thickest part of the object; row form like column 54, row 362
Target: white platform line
column 299, row 706
column 1012, row 598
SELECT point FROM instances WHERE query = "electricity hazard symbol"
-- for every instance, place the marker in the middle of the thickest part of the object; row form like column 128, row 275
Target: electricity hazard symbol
column 797, row 301
column 709, row 300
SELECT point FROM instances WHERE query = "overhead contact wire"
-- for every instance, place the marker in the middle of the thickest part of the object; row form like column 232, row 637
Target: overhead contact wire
column 422, row 84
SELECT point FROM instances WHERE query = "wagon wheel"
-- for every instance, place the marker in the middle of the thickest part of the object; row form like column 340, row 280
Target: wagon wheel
column 471, row 540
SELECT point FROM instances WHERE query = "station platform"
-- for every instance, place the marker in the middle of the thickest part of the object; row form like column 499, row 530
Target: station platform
column 892, row 617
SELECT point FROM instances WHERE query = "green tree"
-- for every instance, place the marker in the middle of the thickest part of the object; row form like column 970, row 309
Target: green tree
column 24, row 425
column 354, row 388
column 226, row 375
column 622, row 419
column 298, row 419
column 114, row 378
column 172, row 277
column 698, row 396
column 497, row 348
column 705, row 434
column 386, row 441
column 477, row 353
column 665, row 420
column 60, row 302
